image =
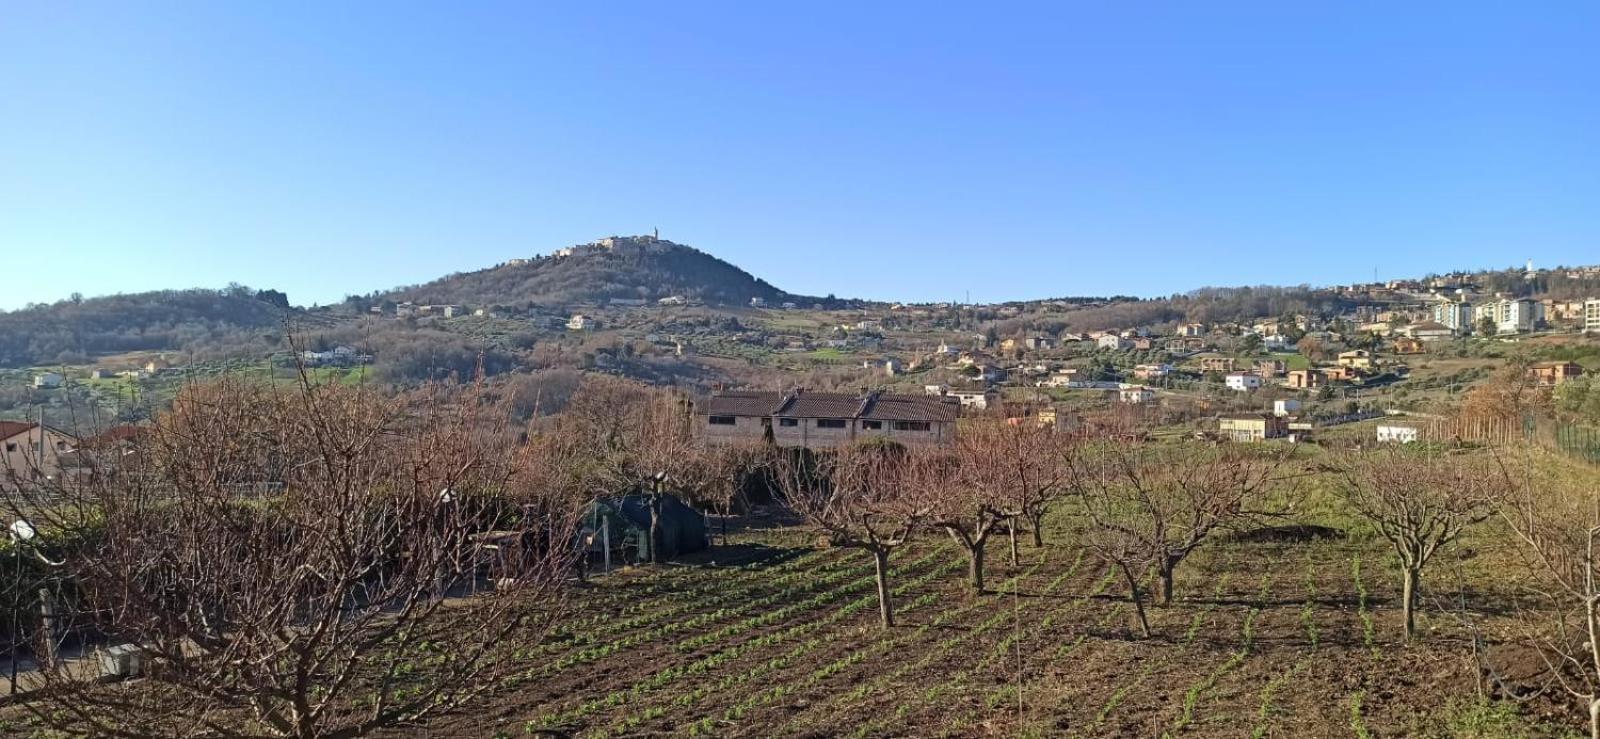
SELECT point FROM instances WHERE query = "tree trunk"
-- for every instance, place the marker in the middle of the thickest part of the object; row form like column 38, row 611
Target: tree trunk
column 880, row 561
column 1165, row 572
column 655, row 528
column 975, row 567
column 1011, row 530
column 1411, row 578
column 1138, row 601
column 1036, row 521
column 1594, row 718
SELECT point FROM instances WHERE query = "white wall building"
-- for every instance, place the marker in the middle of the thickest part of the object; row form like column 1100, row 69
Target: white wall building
column 1243, row 381
column 1398, row 434
column 1286, row 407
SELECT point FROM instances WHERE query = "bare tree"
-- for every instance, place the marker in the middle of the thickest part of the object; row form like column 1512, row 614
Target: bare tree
column 282, row 559
column 963, row 504
column 1418, row 501
column 1557, row 521
column 1149, row 507
column 868, row 496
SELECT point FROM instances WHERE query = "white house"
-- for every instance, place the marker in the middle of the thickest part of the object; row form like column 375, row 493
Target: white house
column 1399, row 434
column 1152, row 371
column 979, row 399
column 1061, row 378
column 1243, row 381
column 1287, row 407
column 48, row 379
column 1136, row 394
column 581, row 322
column 1112, row 341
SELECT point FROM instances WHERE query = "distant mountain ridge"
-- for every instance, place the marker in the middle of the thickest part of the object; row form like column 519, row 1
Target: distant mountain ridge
column 615, row 268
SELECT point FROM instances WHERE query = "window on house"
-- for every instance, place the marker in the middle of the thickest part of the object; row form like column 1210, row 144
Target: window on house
column 11, row 446
column 872, row 425
column 788, row 422
column 831, row 423
column 723, row 420
column 912, row 426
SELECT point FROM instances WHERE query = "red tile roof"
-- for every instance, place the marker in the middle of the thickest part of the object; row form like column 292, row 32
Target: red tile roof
column 9, row 429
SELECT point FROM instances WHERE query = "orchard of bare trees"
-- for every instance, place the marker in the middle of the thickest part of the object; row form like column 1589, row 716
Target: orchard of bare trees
column 321, row 560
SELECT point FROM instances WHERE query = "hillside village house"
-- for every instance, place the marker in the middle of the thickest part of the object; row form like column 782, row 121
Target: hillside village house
column 1217, row 364
column 826, row 420
column 1591, row 315
column 1040, row 343
column 1112, row 341
column 1408, row 345
column 1136, row 394
column 30, row 451
column 1341, row 374
column 1306, row 379
column 1062, row 378
column 1152, row 371
column 1270, row 367
column 581, row 322
column 47, row 380
column 975, row 399
column 1285, row 407
column 1192, row 329
column 1550, row 374
column 1252, row 427
column 1243, row 381
column 1388, row 433
column 1356, row 359
column 1428, row 331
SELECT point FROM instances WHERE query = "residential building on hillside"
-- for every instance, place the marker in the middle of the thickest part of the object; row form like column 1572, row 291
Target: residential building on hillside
column 1285, row 407
column 1217, row 364
column 1591, row 315
column 1428, row 331
column 1040, row 343
column 1192, row 329
column 1454, row 315
column 45, row 380
column 1306, row 379
column 581, row 322
column 1408, row 345
column 1389, row 433
column 1136, row 394
column 1271, row 367
column 1550, row 374
column 1252, row 427
column 30, row 451
column 1112, row 341
column 1152, row 371
column 1511, row 315
column 1356, row 359
column 1242, row 381
column 975, row 399
column 826, row 420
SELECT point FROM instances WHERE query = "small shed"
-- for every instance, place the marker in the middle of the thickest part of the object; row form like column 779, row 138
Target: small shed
column 625, row 521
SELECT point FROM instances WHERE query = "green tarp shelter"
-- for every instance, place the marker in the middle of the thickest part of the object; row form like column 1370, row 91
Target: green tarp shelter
column 683, row 529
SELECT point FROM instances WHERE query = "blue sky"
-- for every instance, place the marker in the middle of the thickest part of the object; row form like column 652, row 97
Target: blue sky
column 899, row 151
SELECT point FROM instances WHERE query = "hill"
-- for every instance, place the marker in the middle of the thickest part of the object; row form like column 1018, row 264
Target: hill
column 617, row 268
column 73, row 330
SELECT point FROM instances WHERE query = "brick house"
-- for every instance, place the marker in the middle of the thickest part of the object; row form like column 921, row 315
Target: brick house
column 1549, row 374
column 826, row 420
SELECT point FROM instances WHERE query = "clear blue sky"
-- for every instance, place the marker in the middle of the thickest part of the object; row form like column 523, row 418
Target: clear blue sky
column 896, row 152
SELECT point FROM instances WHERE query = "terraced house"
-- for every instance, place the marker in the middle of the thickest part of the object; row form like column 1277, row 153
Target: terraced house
column 826, row 420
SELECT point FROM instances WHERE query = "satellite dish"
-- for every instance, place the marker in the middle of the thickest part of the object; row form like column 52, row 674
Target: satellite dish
column 22, row 530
